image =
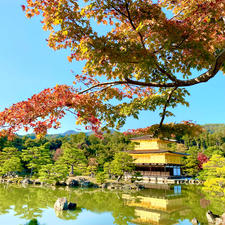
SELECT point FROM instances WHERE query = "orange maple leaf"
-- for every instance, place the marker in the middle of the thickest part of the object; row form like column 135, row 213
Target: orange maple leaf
column 69, row 58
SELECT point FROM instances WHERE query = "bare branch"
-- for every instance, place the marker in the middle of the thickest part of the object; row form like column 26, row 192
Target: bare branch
column 71, row 111
column 166, row 105
column 177, row 14
column 112, row 83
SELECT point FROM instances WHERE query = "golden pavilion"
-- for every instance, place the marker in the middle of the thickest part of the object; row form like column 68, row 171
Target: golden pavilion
column 153, row 158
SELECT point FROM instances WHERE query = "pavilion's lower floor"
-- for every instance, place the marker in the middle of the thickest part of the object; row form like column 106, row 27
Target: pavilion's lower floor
column 159, row 170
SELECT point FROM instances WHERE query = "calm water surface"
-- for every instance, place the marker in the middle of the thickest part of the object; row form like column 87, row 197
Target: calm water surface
column 168, row 205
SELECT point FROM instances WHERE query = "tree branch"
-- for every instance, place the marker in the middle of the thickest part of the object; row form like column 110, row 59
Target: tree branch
column 119, row 11
column 185, row 83
column 112, row 83
column 166, row 105
column 170, row 76
column 134, row 27
column 177, row 83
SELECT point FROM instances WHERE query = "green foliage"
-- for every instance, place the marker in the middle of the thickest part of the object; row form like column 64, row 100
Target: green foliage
column 53, row 173
column 105, row 149
column 101, row 177
column 79, row 153
column 191, row 162
column 214, row 167
column 90, row 155
column 122, row 163
column 214, row 128
column 10, row 161
column 207, row 138
column 36, row 157
column 214, row 175
column 214, row 150
column 17, row 142
column 92, row 167
column 72, row 156
column 191, row 166
column 136, row 177
column 33, row 222
column 210, row 142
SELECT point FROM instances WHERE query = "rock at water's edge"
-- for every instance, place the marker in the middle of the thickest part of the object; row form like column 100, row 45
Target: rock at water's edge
column 212, row 217
column 26, row 181
column 73, row 183
column 223, row 218
column 61, row 204
column 219, row 221
column 194, row 221
column 72, row 206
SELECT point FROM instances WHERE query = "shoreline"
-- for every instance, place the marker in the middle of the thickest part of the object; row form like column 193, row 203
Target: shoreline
column 90, row 182
column 78, row 181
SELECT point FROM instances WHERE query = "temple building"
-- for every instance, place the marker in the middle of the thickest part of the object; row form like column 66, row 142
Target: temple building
column 153, row 158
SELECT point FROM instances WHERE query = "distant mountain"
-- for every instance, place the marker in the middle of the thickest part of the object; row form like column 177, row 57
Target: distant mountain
column 66, row 133
column 69, row 132
column 211, row 128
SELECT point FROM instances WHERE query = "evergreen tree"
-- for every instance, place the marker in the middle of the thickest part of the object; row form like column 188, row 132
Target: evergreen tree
column 36, row 157
column 191, row 163
column 122, row 163
column 10, row 161
column 53, row 173
column 72, row 156
column 101, row 177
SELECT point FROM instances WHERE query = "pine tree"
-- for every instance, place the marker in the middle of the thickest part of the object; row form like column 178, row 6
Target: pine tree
column 72, row 156
column 53, row 173
column 36, row 157
column 10, row 161
column 122, row 163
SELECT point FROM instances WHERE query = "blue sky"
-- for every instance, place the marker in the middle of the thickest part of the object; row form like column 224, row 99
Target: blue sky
column 28, row 65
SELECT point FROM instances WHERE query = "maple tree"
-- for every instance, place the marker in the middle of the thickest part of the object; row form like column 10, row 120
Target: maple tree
column 174, row 130
column 202, row 158
column 145, row 59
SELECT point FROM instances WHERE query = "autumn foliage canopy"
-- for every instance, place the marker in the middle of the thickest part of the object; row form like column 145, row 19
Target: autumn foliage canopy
column 149, row 52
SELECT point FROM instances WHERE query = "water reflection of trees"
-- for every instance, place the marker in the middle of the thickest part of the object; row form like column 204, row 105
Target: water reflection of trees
column 106, row 201
column 33, row 222
column 29, row 203
column 198, row 203
column 68, row 215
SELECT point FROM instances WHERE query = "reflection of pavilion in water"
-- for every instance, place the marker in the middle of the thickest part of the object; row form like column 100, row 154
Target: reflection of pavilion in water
column 157, row 206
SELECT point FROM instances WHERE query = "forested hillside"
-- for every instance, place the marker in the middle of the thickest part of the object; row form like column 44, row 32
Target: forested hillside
column 214, row 127
column 76, row 154
column 82, row 154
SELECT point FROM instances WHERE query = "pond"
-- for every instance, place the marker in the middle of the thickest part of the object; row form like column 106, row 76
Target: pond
column 162, row 204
